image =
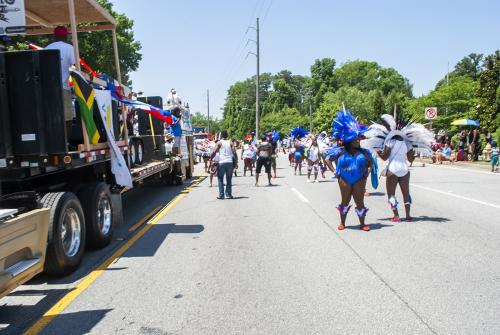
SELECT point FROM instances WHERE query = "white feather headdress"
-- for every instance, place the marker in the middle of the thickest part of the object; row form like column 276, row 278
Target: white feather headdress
column 378, row 135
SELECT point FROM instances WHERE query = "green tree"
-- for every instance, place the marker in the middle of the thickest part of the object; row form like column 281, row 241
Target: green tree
column 368, row 76
column 200, row 120
column 488, row 107
column 470, row 66
column 459, row 98
column 322, row 80
column 284, row 121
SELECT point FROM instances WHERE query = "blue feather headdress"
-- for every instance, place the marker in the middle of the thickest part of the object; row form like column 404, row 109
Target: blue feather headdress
column 275, row 136
column 346, row 128
column 298, row 133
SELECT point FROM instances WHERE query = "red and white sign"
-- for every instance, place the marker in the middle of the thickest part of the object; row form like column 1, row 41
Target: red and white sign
column 431, row 113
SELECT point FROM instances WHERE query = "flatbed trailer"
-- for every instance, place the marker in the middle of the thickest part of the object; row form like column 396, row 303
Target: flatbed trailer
column 55, row 204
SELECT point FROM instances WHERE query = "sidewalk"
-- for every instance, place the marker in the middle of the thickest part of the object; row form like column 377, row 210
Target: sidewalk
column 480, row 165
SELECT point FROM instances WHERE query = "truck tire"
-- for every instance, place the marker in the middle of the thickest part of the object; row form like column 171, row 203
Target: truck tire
column 66, row 238
column 140, row 152
column 98, row 210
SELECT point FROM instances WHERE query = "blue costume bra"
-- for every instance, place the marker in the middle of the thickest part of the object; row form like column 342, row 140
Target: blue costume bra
column 351, row 168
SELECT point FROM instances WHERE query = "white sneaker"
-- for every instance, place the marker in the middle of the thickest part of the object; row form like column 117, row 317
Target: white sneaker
column 316, row 181
column 308, row 180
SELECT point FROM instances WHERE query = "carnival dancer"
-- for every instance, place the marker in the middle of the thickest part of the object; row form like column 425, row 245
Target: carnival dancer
column 353, row 165
column 313, row 160
column 264, row 151
column 247, row 155
column 275, row 137
column 398, row 142
column 298, row 154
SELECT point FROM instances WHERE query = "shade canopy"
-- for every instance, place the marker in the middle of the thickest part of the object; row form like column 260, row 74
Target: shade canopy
column 465, row 122
column 43, row 15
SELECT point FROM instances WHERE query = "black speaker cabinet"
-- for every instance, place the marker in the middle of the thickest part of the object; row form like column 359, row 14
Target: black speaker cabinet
column 144, row 122
column 5, row 136
column 35, row 102
column 148, row 148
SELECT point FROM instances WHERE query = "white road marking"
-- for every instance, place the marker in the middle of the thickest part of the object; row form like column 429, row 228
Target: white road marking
column 463, row 169
column 300, row 195
column 455, row 195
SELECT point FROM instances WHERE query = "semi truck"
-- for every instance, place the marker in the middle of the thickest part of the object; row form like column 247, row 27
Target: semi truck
column 58, row 189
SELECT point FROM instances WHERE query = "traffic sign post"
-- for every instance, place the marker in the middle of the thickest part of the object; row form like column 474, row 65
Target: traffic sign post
column 430, row 114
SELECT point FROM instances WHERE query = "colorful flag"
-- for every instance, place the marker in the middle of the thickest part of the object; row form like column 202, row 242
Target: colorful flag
column 157, row 113
column 118, row 164
column 85, row 97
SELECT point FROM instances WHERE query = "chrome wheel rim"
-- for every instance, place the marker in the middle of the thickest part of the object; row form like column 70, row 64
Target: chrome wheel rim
column 104, row 215
column 71, row 232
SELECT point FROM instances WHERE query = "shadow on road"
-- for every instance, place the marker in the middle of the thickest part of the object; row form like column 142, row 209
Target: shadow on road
column 422, row 218
column 149, row 244
column 430, row 219
column 373, row 226
column 77, row 323
column 18, row 311
column 376, row 194
column 14, row 313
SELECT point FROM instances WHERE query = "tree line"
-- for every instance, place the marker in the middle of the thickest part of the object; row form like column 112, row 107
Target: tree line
column 369, row 90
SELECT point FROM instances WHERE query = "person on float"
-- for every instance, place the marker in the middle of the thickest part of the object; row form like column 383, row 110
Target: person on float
column 67, row 54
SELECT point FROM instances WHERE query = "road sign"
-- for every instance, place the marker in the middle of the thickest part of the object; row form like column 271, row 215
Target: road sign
column 431, row 113
column 12, row 17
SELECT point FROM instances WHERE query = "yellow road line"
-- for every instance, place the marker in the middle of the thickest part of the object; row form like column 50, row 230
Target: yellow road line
column 65, row 301
column 144, row 219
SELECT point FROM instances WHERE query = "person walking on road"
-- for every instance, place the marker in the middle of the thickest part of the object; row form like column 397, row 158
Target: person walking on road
column 313, row 161
column 353, row 167
column 247, row 155
column 264, row 151
column 298, row 157
column 397, row 142
column 226, row 152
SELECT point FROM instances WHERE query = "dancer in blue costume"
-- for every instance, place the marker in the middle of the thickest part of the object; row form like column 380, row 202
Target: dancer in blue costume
column 353, row 166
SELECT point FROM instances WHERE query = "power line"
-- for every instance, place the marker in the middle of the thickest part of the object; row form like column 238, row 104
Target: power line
column 267, row 11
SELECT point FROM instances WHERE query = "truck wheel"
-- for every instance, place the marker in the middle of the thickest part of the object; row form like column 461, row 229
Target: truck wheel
column 140, row 152
column 98, row 210
column 66, row 239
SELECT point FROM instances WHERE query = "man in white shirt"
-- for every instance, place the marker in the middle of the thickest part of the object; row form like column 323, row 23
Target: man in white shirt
column 67, row 60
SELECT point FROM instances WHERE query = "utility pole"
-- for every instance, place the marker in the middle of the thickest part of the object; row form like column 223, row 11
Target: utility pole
column 208, row 111
column 257, row 84
column 257, row 78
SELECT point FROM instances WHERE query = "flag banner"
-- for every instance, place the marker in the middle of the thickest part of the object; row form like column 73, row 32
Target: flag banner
column 85, row 97
column 118, row 165
column 157, row 113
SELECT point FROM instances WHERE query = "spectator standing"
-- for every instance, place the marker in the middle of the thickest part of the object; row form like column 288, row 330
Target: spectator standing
column 226, row 152
column 494, row 156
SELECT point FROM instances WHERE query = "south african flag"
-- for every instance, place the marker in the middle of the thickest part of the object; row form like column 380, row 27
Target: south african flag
column 85, row 97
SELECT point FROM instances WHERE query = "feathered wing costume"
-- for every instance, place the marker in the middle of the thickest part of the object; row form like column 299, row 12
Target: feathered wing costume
column 378, row 135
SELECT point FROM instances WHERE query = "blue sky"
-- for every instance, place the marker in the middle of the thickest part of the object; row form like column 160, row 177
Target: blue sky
column 194, row 45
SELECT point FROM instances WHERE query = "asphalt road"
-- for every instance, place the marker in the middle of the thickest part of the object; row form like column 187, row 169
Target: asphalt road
column 272, row 262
